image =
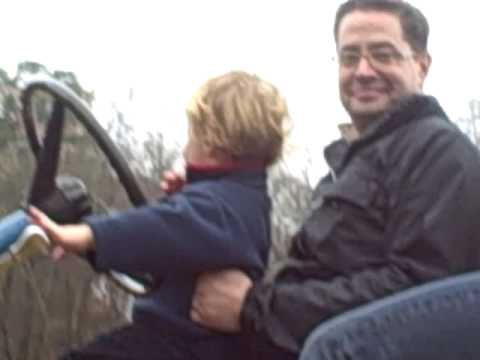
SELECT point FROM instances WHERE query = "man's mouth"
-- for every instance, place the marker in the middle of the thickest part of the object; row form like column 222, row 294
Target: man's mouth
column 367, row 94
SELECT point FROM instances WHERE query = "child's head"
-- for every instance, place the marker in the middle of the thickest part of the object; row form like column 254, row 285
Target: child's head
column 238, row 116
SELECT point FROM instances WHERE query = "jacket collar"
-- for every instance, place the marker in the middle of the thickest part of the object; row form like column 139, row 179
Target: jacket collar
column 407, row 110
column 334, row 154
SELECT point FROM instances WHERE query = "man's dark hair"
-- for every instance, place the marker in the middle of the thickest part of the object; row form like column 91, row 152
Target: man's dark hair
column 414, row 24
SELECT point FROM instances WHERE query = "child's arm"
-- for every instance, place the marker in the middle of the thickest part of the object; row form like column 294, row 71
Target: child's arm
column 74, row 238
column 190, row 232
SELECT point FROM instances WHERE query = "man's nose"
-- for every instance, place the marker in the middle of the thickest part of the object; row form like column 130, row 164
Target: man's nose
column 364, row 68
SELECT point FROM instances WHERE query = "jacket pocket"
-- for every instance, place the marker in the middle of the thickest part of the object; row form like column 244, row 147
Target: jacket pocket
column 360, row 187
column 356, row 185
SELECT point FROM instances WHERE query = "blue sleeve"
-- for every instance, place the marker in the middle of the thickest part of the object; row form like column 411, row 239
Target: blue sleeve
column 192, row 231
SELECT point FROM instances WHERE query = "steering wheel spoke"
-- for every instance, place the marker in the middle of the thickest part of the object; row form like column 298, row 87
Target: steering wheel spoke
column 48, row 156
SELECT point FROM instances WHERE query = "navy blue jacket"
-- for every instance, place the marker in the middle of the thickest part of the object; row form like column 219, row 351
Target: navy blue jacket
column 219, row 220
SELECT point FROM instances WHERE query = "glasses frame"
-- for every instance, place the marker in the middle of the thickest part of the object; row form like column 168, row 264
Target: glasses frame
column 378, row 58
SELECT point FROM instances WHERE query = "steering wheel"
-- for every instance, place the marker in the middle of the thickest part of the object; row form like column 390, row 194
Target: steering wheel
column 47, row 154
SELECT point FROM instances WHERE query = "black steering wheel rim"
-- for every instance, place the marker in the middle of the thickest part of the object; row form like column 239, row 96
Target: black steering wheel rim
column 67, row 98
column 47, row 153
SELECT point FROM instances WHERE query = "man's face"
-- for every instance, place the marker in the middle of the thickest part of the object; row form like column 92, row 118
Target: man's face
column 377, row 66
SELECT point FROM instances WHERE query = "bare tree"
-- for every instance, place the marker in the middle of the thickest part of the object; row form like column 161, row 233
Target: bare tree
column 290, row 204
column 471, row 124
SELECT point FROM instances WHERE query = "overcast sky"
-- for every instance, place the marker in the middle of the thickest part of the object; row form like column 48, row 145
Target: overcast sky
column 165, row 50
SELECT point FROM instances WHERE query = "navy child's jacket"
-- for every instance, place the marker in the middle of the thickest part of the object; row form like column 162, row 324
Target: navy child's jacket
column 220, row 219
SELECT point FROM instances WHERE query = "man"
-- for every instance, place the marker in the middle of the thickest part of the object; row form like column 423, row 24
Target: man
column 398, row 209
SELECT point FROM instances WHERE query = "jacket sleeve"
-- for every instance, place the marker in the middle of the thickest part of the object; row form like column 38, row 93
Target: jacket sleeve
column 430, row 229
column 188, row 232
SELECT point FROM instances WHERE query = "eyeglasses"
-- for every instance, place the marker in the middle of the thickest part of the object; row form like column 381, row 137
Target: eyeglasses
column 378, row 58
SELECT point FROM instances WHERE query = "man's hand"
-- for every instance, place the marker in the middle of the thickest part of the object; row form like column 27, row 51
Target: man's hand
column 218, row 300
column 73, row 238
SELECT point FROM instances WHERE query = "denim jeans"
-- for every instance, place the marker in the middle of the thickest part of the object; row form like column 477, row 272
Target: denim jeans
column 435, row 321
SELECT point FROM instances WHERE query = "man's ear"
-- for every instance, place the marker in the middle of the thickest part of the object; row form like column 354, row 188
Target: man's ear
column 424, row 61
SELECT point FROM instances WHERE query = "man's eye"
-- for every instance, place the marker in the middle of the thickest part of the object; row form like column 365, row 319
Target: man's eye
column 349, row 59
column 383, row 57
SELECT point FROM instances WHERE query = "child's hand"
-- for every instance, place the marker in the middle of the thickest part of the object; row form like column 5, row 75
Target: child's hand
column 73, row 238
column 172, row 182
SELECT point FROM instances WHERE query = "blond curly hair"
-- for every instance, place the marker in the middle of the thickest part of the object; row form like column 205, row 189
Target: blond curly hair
column 240, row 115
